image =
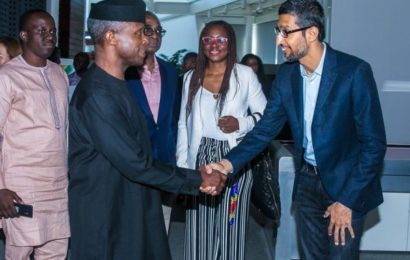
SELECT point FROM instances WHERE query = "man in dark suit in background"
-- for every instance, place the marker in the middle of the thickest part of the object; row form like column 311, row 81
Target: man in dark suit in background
column 154, row 91
column 331, row 102
column 115, row 208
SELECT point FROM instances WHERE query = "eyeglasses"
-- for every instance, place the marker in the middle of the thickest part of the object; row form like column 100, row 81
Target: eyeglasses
column 220, row 40
column 285, row 33
column 149, row 31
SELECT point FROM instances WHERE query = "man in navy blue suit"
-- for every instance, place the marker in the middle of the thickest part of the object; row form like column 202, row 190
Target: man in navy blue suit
column 331, row 102
column 154, row 91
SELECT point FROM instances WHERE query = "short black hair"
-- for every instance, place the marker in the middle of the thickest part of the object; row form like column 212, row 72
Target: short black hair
column 261, row 72
column 307, row 13
column 82, row 55
column 190, row 55
column 81, row 62
column 25, row 17
column 153, row 15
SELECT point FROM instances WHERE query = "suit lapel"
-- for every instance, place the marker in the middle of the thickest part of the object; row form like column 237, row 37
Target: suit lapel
column 139, row 94
column 167, row 96
column 329, row 74
column 297, row 93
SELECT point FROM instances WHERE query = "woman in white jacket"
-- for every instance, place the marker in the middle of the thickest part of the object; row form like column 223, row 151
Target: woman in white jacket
column 221, row 102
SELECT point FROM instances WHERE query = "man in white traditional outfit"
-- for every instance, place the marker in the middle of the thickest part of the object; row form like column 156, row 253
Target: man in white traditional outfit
column 33, row 162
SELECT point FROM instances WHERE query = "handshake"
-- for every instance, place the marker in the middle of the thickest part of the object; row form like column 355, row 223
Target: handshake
column 214, row 177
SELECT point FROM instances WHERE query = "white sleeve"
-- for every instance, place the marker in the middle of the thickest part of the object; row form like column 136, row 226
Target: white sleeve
column 256, row 104
column 182, row 140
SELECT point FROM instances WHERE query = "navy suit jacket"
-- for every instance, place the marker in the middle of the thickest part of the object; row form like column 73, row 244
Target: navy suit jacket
column 347, row 129
column 163, row 133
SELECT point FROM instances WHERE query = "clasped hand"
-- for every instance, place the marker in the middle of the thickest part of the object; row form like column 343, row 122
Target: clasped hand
column 228, row 124
column 213, row 181
column 219, row 171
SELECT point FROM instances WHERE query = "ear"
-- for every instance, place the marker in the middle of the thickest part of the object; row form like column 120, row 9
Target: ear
column 312, row 34
column 110, row 37
column 23, row 36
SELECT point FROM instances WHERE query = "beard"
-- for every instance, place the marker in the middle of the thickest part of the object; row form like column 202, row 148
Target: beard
column 295, row 56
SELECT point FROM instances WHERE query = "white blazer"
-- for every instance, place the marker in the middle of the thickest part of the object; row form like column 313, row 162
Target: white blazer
column 244, row 93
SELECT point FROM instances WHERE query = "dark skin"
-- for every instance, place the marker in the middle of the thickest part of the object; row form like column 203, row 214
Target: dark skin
column 213, row 182
column 7, row 199
column 188, row 64
column 217, row 55
column 121, row 49
column 212, row 82
column 38, row 41
column 228, row 124
column 127, row 47
column 154, row 41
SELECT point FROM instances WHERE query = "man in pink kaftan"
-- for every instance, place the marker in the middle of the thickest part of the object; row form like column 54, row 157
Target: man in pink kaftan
column 33, row 155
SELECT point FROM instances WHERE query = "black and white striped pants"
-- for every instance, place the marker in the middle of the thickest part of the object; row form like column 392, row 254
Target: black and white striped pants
column 208, row 235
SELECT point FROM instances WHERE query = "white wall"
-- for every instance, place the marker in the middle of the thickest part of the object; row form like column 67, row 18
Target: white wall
column 182, row 33
column 265, row 43
column 240, row 40
column 53, row 9
column 377, row 31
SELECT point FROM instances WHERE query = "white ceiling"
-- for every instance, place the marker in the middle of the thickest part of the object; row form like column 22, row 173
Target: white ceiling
column 261, row 10
column 174, row 1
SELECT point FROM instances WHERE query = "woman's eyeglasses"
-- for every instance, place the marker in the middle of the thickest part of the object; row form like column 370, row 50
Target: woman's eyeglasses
column 149, row 31
column 220, row 40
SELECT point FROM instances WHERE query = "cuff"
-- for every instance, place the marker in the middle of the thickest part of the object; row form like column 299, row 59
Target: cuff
column 192, row 181
column 243, row 125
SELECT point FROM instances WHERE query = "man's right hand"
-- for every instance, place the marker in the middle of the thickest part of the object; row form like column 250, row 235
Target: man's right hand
column 7, row 199
column 213, row 181
column 223, row 166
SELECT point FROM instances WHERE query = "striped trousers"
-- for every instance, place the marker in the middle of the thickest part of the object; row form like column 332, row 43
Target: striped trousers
column 208, row 233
